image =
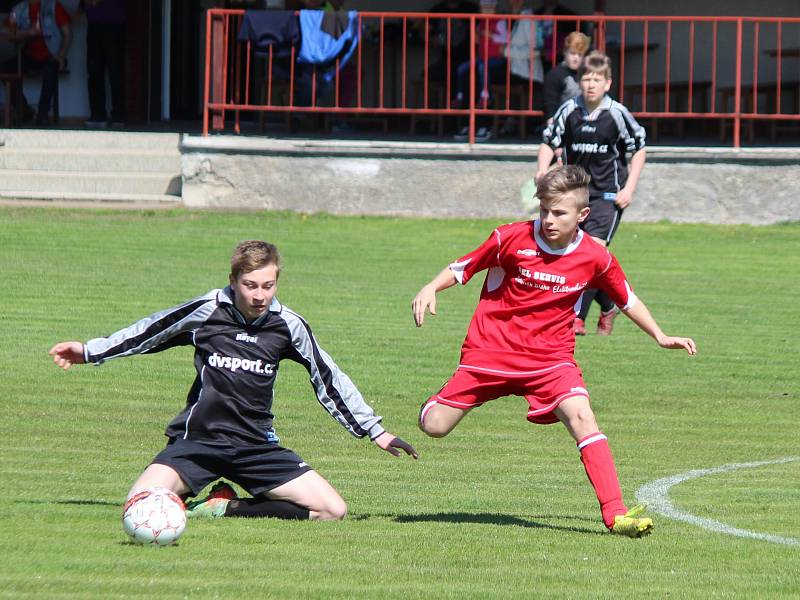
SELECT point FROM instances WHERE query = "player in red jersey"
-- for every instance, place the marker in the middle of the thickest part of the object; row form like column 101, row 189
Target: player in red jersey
column 520, row 341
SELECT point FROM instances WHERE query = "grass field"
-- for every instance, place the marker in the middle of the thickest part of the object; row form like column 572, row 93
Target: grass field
column 499, row 509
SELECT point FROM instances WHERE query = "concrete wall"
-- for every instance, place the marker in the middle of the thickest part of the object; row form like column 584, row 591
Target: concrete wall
column 452, row 180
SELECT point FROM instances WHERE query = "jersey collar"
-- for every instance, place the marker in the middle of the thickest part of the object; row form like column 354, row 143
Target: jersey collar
column 537, row 227
column 605, row 104
column 225, row 296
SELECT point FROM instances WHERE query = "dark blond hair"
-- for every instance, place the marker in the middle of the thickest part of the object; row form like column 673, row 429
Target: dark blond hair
column 559, row 181
column 577, row 42
column 596, row 62
column 253, row 255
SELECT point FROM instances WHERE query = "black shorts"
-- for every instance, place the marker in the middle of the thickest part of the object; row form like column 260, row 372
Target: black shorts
column 257, row 469
column 603, row 220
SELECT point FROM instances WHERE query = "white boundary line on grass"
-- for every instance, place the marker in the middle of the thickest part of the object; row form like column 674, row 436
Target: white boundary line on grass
column 656, row 495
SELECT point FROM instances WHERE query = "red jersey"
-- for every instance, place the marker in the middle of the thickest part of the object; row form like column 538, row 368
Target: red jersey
column 531, row 296
column 492, row 38
column 36, row 47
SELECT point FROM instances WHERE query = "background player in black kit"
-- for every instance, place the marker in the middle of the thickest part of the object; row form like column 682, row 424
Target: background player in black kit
column 240, row 335
column 596, row 133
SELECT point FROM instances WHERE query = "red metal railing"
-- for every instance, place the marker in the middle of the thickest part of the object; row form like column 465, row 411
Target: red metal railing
column 735, row 70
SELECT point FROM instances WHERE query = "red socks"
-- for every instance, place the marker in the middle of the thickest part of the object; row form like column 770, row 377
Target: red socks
column 599, row 464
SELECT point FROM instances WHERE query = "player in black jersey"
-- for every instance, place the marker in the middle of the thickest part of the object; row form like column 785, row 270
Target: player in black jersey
column 596, row 133
column 240, row 334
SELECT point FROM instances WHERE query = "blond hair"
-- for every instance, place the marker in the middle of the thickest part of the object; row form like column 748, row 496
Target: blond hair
column 252, row 255
column 577, row 42
column 560, row 181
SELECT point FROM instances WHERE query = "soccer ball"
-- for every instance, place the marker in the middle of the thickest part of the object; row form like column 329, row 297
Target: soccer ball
column 154, row 516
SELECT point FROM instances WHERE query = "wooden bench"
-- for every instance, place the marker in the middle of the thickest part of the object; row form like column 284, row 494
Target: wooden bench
column 518, row 99
column 766, row 92
column 10, row 79
column 678, row 100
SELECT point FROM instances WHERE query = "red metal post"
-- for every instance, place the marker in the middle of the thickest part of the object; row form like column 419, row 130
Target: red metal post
column 425, row 65
column 380, row 66
column 237, row 87
column 691, row 65
column 667, row 66
column 359, row 75
column 622, row 61
column 714, row 67
column 755, row 67
column 403, row 63
column 472, row 64
column 644, row 66
column 448, row 92
column 225, row 56
column 737, row 102
column 778, row 68
column 207, row 75
column 218, row 27
column 269, row 77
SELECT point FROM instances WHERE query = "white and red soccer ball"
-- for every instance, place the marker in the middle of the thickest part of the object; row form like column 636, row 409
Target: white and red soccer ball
column 154, row 516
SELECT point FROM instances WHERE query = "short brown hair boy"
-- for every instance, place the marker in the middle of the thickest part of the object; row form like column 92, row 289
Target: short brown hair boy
column 596, row 62
column 252, row 255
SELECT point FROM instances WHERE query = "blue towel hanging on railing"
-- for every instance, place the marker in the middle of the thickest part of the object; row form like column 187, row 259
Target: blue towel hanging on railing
column 320, row 46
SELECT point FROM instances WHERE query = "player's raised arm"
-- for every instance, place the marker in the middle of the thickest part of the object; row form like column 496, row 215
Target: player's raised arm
column 640, row 315
column 426, row 298
column 66, row 354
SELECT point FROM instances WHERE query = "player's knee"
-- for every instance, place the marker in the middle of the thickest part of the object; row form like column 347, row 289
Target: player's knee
column 429, row 421
column 334, row 510
column 584, row 420
column 431, row 428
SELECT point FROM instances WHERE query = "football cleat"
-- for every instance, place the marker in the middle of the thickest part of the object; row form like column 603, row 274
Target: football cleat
column 214, row 504
column 579, row 327
column 605, row 324
column 631, row 524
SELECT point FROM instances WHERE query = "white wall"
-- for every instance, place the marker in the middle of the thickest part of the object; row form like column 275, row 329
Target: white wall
column 73, row 93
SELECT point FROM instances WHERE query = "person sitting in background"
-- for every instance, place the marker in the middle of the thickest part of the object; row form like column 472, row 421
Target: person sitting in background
column 456, row 45
column 525, row 62
column 492, row 38
column 46, row 26
column 561, row 83
column 551, row 32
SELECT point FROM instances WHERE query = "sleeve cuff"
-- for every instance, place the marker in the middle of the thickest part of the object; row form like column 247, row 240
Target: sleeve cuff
column 376, row 430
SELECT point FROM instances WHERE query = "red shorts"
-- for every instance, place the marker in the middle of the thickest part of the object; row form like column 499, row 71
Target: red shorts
column 544, row 389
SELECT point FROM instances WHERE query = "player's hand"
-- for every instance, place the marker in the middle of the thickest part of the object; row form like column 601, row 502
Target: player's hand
column 426, row 299
column 390, row 443
column 677, row 343
column 624, row 198
column 65, row 354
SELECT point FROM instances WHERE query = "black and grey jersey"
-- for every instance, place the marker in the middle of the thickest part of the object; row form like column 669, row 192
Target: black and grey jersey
column 560, row 85
column 230, row 401
column 598, row 142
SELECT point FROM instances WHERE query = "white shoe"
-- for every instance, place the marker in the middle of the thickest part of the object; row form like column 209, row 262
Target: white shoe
column 483, row 135
column 462, row 136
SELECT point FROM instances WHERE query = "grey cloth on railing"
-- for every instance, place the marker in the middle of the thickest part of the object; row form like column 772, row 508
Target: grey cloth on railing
column 278, row 29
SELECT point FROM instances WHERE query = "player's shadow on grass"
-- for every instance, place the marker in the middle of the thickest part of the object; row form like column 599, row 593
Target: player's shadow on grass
column 77, row 502
column 492, row 519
